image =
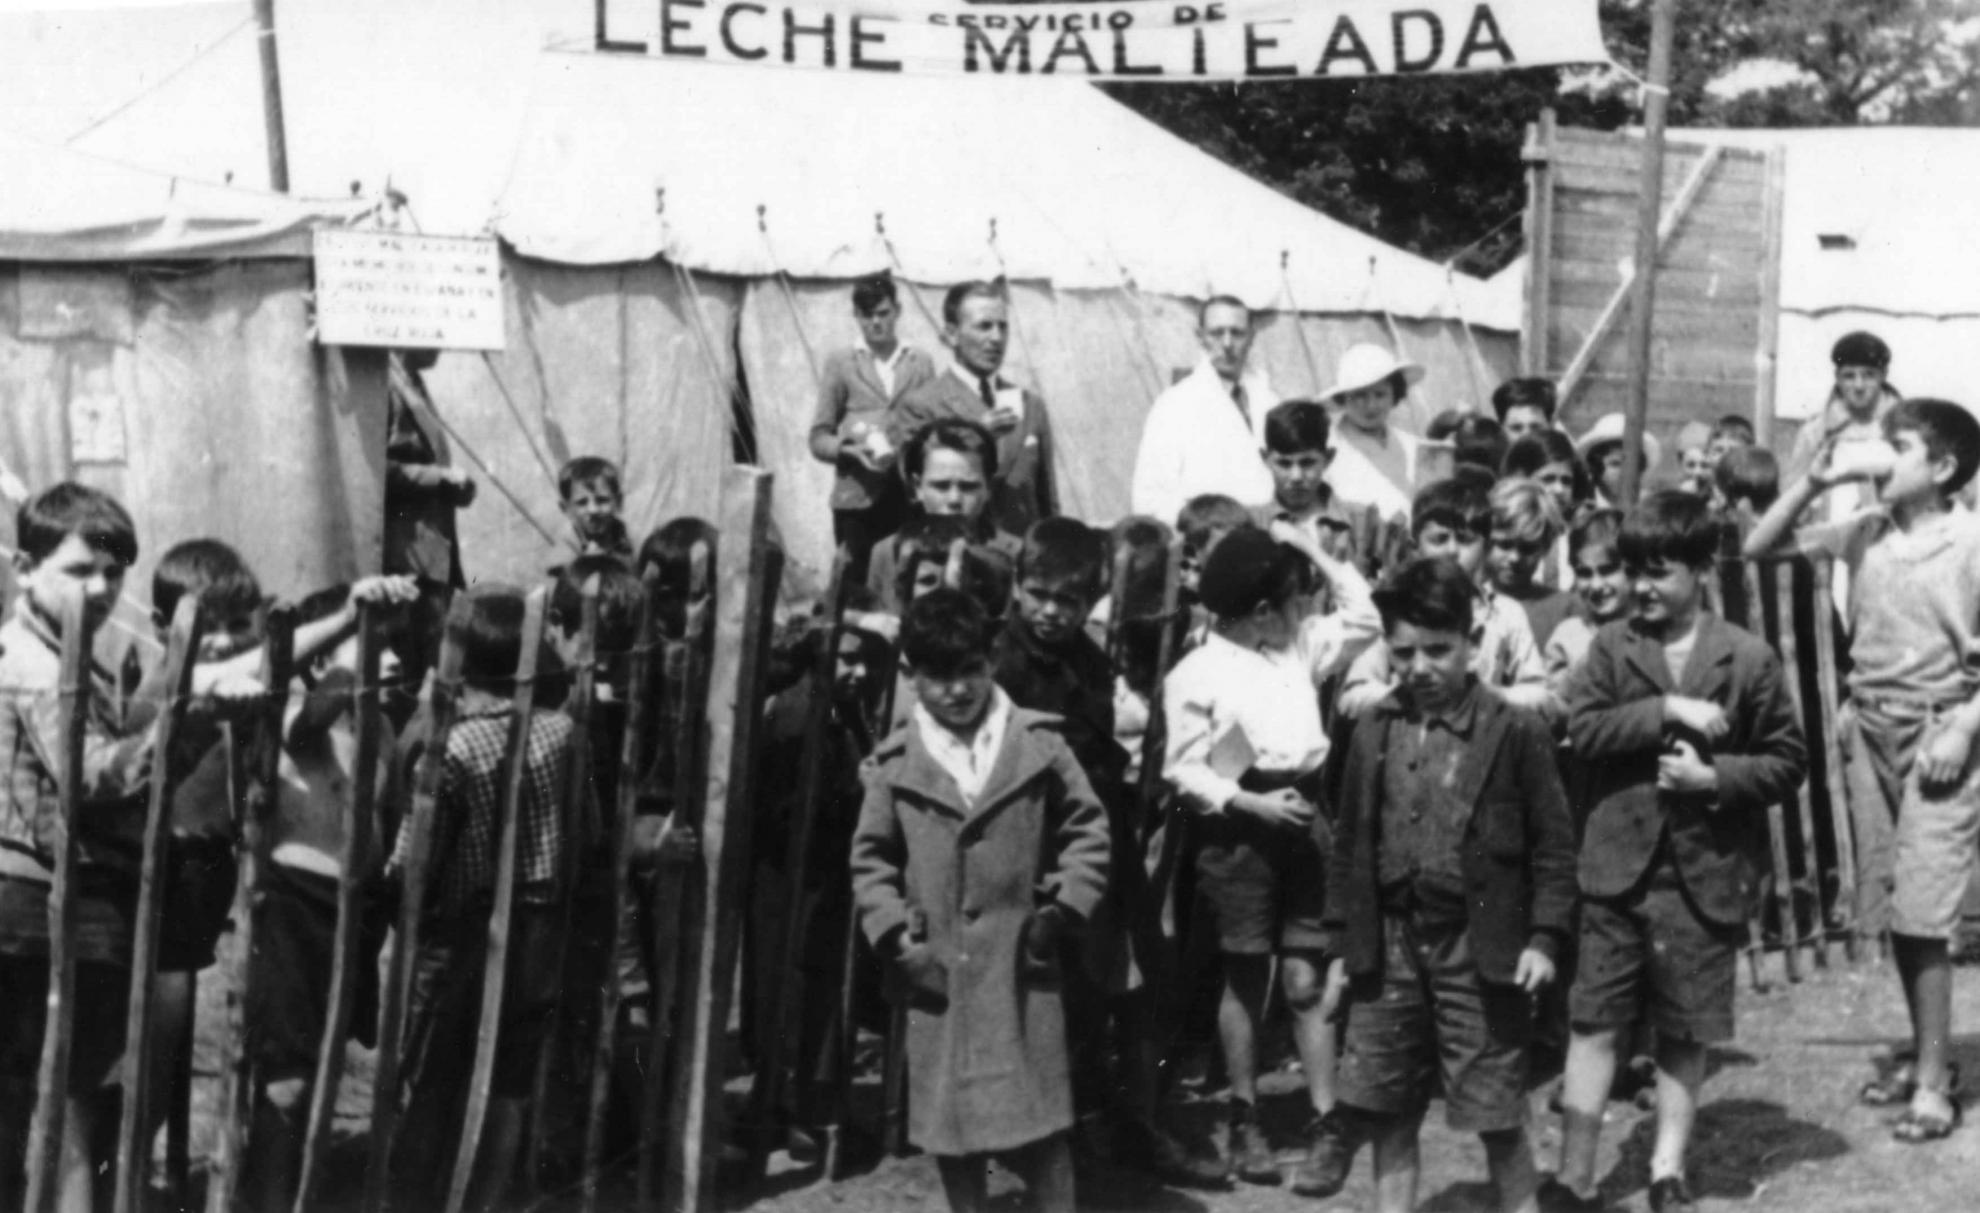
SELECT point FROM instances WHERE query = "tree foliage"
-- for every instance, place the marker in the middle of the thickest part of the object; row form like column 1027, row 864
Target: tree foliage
column 1432, row 164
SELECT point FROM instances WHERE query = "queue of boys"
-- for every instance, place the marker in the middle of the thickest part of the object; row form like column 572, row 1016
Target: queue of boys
column 1476, row 790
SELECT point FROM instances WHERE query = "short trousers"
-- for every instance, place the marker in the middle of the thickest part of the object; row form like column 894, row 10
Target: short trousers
column 1650, row 950
column 444, row 1004
column 288, row 990
column 1266, row 887
column 200, row 875
column 106, row 908
column 1915, row 851
column 1429, row 1015
column 96, row 1044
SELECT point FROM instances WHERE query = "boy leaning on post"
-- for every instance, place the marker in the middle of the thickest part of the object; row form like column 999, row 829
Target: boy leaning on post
column 1913, row 711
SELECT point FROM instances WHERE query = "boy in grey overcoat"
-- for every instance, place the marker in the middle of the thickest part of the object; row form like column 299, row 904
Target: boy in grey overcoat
column 980, row 844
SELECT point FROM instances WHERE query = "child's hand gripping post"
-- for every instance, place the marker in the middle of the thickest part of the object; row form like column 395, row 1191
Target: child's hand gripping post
column 1534, row 972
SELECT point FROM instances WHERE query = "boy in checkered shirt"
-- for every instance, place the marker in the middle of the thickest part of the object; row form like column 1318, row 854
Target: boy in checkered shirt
column 444, row 998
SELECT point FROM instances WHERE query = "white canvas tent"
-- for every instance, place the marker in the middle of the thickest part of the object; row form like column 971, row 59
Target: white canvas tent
column 154, row 342
column 682, row 237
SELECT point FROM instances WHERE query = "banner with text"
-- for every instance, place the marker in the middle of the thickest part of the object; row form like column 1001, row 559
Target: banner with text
column 1123, row 40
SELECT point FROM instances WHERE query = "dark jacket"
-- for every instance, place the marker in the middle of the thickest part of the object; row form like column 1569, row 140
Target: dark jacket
column 1518, row 850
column 1074, row 682
column 419, row 499
column 1615, row 706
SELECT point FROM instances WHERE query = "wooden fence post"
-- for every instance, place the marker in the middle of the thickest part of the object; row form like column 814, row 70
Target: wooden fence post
column 48, row 1127
column 238, row 1075
column 746, row 575
column 133, row 1131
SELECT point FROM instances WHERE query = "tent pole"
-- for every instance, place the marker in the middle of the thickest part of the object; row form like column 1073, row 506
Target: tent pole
column 1650, row 203
column 271, row 97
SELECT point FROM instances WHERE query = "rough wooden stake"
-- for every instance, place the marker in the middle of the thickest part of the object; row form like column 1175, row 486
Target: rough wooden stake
column 495, row 963
column 746, row 576
column 670, row 914
column 44, row 1156
column 264, row 765
column 769, row 1094
column 577, row 814
column 1832, row 758
column 134, row 1126
column 359, row 810
column 442, row 700
column 634, row 757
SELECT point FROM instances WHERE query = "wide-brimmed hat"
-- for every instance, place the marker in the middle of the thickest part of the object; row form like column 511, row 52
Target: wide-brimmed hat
column 1364, row 366
column 1609, row 428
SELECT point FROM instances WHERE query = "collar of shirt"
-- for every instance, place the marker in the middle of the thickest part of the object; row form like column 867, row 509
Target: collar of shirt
column 1456, row 719
column 970, row 379
column 31, row 622
column 1328, row 510
column 967, row 761
column 893, row 359
column 475, row 703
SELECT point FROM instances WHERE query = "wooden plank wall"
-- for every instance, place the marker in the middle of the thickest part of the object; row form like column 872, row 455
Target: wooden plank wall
column 1709, row 339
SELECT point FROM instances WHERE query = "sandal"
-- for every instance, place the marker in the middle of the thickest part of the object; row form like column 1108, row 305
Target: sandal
column 1894, row 1086
column 1917, row 1128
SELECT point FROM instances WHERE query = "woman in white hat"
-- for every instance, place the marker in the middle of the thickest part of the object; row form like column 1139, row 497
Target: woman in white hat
column 1373, row 461
column 1601, row 450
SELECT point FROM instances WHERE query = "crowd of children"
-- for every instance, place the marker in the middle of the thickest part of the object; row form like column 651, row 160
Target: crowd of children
column 1449, row 787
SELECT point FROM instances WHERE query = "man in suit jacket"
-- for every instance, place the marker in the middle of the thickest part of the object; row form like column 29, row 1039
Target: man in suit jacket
column 849, row 428
column 1450, row 890
column 976, row 318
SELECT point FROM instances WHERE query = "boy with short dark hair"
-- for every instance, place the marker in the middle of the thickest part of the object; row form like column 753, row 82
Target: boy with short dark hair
column 1525, row 406
column 950, row 467
column 1914, row 709
column 1298, row 448
column 980, row 845
column 593, row 493
column 72, row 541
column 1449, row 896
column 1601, row 585
column 1687, row 732
column 856, row 388
column 1453, row 518
column 444, row 998
column 1244, row 750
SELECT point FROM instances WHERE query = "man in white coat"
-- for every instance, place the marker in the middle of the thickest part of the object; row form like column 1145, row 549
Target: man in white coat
column 1203, row 433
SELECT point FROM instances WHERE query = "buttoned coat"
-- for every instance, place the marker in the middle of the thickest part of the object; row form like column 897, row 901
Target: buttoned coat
column 986, row 1048
column 1615, row 704
column 1517, row 853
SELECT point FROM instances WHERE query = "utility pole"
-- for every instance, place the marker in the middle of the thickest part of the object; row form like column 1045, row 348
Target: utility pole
column 1650, row 205
column 271, row 96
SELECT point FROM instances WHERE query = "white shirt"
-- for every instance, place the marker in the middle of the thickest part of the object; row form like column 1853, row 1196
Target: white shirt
column 968, row 762
column 1196, row 441
column 1355, row 476
column 1226, row 703
column 886, row 368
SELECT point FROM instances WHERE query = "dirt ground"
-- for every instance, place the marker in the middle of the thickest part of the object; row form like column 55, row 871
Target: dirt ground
column 1779, row 1130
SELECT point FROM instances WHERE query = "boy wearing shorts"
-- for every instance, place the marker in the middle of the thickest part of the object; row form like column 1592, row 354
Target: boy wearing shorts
column 1450, row 894
column 1687, row 734
column 1913, row 711
column 1244, row 751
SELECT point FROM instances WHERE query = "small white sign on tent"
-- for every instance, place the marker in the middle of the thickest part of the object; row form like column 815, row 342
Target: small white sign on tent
column 407, row 291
